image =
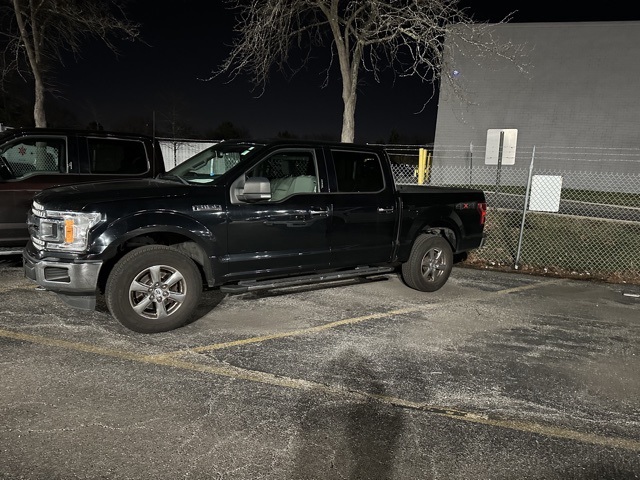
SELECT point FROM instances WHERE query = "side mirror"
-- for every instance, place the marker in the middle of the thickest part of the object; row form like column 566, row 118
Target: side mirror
column 256, row 188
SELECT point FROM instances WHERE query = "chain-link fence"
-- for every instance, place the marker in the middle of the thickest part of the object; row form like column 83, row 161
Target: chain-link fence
column 175, row 151
column 568, row 212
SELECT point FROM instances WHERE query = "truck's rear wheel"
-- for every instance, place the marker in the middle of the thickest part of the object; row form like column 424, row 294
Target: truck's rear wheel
column 429, row 263
column 153, row 289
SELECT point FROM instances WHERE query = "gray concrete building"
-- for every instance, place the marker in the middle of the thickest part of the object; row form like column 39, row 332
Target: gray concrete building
column 578, row 103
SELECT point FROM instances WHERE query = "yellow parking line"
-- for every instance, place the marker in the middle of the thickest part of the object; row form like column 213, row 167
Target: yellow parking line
column 530, row 286
column 291, row 333
column 80, row 347
column 286, row 382
column 562, row 433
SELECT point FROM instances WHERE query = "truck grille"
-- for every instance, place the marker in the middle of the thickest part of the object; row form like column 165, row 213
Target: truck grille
column 38, row 210
column 39, row 244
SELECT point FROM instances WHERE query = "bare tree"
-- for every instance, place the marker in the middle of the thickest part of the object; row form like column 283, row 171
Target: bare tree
column 406, row 36
column 37, row 33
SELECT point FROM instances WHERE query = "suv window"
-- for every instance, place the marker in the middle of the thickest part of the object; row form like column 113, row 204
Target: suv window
column 36, row 154
column 357, row 171
column 113, row 156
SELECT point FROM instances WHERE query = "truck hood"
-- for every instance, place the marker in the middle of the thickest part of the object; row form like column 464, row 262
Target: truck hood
column 76, row 197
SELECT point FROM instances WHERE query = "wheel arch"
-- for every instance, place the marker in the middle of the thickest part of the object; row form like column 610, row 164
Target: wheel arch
column 447, row 226
column 120, row 238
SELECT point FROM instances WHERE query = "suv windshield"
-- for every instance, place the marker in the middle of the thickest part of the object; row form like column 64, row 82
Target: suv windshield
column 206, row 166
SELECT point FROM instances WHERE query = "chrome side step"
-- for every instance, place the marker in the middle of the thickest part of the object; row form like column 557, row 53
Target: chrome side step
column 254, row 285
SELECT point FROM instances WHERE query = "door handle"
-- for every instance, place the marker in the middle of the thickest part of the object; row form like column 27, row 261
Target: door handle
column 385, row 210
column 319, row 213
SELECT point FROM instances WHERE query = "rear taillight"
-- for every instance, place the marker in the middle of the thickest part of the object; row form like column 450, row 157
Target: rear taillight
column 482, row 209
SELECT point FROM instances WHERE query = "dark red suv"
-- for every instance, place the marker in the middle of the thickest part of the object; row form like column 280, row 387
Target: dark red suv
column 36, row 158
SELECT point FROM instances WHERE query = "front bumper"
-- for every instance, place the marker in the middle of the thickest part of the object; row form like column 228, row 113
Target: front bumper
column 75, row 281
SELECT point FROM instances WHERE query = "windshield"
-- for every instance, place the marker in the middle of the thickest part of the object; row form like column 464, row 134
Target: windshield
column 206, row 166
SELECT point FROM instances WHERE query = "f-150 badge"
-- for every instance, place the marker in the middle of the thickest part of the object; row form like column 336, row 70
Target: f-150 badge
column 206, row 208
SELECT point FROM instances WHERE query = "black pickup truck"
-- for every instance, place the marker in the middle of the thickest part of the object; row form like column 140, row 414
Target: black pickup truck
column 32, row 159
column 243, row 216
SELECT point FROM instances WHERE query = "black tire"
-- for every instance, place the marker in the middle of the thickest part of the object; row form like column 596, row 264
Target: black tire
column 429, row 264
column 153, row 289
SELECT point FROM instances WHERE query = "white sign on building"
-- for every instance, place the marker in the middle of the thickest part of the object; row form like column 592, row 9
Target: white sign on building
column 509, row 138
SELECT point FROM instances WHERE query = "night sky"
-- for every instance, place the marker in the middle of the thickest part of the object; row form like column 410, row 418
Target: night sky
column 187, row 39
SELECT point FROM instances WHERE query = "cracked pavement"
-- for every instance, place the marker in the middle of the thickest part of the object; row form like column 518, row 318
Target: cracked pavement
column 495, row 376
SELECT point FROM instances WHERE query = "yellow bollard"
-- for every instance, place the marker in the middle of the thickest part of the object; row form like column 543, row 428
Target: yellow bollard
column 422, row 163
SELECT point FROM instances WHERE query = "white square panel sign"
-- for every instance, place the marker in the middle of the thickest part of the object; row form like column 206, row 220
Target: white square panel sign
column 545, row 193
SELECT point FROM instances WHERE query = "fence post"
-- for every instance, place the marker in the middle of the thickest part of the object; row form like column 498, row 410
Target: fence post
column 470, row 163
column 526, row 207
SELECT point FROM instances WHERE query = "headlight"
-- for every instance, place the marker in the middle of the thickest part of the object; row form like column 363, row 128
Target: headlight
column 67, row 231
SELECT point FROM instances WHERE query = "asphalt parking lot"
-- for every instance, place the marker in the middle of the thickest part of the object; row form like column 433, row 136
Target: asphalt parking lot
column 495, row 376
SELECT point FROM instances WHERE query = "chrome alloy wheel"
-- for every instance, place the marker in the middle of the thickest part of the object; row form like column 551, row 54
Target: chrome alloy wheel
column 157, row 292
column 433, row 264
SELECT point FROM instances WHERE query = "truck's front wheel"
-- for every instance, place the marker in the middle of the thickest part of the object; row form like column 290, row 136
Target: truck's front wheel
column 153, row 289
column 429, row 264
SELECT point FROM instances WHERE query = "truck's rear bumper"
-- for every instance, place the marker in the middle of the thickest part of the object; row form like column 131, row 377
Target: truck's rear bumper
column 74, row 281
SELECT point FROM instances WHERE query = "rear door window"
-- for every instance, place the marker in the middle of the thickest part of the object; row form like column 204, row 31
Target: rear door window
column 357, row 171
column 114, row 156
